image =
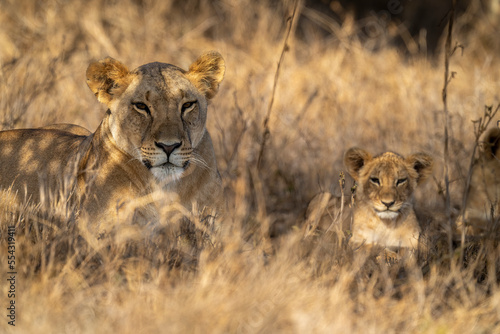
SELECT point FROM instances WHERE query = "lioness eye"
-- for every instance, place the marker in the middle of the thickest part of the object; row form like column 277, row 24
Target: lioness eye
column 400, row 181
column 375, row 180
column 187, row 105
column 142, row 106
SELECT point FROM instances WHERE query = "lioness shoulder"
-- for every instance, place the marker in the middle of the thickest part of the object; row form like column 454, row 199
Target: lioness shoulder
column 383, row 211
column 152, row 139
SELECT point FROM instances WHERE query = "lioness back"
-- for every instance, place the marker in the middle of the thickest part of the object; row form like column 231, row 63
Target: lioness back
column 71, row 128
column 34, row 159
column 383, row 211
column 152, row 138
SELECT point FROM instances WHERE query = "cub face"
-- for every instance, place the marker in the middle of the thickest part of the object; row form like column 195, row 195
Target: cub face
column 386, row 182
column 157, row 113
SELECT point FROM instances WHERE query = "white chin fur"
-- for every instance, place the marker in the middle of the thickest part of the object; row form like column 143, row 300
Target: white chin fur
column 387, row 214
column 167, row 174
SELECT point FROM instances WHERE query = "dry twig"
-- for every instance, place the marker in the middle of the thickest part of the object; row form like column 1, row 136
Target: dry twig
column 447, row 79
column 265, row 125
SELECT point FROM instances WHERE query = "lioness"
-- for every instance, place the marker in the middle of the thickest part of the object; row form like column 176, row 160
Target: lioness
column 483, row 201
column 383, row 211
column 153, row 136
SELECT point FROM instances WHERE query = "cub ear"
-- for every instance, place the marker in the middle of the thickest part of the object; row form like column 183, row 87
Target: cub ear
column 207, row 72
column 107, row 79
column 422, row 163
column 354, row 159
column 492, row 143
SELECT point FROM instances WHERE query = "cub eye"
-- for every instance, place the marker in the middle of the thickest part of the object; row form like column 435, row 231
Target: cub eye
column 141, row 107
column 375, row 180
column 188, row 105
column 401, row 181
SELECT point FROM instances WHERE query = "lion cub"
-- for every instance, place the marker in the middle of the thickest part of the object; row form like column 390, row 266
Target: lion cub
column 383, row 211
column 483, row 201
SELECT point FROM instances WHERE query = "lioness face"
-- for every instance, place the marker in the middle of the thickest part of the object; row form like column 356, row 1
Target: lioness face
column 158, row 111
column 166, row 115
column 387, row 182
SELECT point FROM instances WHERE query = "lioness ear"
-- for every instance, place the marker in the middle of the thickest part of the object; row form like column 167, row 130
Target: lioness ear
column 107, row 78
column 422, row 163
column 492, row 143
column 354, row 159
column 207, row 72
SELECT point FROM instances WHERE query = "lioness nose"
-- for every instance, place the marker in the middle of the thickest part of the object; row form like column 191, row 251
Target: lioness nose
column 388, row 204
column 168, row 149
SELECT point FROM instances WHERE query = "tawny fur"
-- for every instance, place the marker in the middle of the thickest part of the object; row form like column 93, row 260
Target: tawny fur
column 482, row 209
column 152, row 138
column 383, row 213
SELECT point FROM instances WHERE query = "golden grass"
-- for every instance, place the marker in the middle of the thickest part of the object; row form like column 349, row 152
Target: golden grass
column 333, row 93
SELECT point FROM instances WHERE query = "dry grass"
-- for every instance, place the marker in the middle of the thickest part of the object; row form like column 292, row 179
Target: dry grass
column 332, row 93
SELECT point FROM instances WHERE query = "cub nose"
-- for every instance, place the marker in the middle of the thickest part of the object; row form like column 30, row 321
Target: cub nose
column 388, row 204
column 168, row 149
